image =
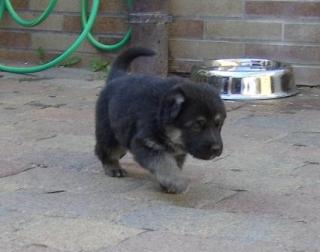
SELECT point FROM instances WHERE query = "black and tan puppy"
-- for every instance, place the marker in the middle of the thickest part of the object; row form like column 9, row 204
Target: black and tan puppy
column 159, row 120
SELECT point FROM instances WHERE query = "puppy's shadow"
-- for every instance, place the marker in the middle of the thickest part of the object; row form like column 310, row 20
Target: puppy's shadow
column 135, row 171
column 200, row 194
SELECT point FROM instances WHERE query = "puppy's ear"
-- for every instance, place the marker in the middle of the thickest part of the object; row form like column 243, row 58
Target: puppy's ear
column 172, row 105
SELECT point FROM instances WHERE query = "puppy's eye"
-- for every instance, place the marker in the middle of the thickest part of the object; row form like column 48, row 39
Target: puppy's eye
column 218, row 121
column 218, row 125
column 198, row 125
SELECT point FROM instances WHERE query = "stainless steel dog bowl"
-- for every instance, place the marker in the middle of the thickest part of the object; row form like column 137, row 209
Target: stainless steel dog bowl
column 243, row 79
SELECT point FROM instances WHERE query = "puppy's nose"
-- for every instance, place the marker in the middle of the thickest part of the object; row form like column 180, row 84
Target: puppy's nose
column 217, row 149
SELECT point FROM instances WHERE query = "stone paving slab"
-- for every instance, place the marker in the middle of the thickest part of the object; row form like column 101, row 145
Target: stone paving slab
column 163, row 242
column 81, row 235
column 262, row 194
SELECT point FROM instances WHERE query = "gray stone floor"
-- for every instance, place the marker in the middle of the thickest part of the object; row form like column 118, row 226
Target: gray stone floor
column 263, row 194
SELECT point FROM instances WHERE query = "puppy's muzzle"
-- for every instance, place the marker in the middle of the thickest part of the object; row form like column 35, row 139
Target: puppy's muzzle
column 216, row 149
column 208, row 152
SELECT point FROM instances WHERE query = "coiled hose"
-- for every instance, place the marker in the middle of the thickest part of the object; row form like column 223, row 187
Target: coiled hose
column 33, row 22
column 87, row 22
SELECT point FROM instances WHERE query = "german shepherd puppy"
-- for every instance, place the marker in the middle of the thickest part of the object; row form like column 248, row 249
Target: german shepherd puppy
column 159, row 120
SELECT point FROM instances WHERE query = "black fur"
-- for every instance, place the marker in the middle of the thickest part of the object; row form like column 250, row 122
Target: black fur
column 158, row 120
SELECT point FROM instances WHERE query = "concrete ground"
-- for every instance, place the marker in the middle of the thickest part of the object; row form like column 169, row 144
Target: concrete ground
column 263, row 194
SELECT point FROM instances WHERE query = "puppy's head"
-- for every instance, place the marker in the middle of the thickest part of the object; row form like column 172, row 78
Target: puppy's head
column 193, row 115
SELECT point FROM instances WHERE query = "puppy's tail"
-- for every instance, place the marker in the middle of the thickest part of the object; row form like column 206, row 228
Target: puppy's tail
column 122, row 62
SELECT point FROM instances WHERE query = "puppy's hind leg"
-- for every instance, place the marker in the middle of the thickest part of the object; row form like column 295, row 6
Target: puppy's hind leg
column 110, row 152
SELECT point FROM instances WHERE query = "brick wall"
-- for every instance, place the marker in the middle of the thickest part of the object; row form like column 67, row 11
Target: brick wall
column 281, row 30
column 275, row 29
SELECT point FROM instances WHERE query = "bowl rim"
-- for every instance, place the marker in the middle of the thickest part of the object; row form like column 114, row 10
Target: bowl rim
column 244, row 65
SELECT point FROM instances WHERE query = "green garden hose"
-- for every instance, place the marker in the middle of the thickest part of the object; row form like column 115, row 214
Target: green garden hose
column 98, row 44
column 30, row 23
column 1, row 8
column 87, row 25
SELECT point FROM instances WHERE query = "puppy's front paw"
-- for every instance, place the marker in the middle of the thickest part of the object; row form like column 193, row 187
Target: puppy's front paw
column 175, row 184
column 115, row 172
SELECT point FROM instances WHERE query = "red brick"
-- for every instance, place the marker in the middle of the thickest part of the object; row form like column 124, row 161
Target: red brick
column 14, row 39
column 110, row 25
column 113, row 6
column 182, row 66
column 109, row 40
column 72, row 24
column 283, row 8
column 19, row 55
column 204, row 49
column 20, row 4
column 150, row 5
column 102, row 25
column 187, row 29
column 292, row 54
